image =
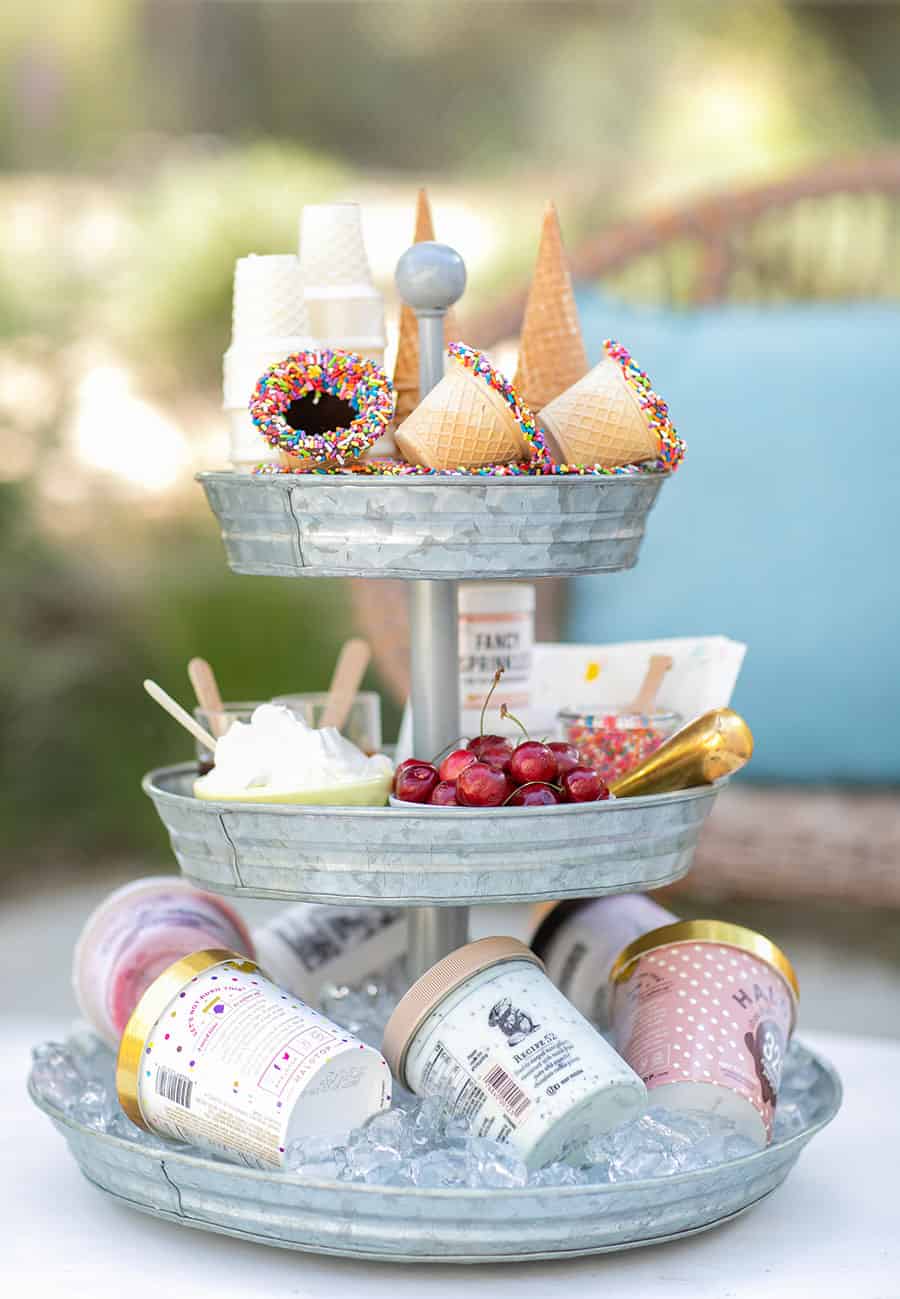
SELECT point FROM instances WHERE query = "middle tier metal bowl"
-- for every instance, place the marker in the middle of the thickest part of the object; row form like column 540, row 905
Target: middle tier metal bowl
column 311, row 525
column 429, row 856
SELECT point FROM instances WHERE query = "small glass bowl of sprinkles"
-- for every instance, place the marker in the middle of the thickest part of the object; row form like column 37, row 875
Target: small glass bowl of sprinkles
column 613, row 740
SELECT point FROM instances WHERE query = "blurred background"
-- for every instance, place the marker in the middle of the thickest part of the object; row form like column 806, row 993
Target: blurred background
column 728, row 179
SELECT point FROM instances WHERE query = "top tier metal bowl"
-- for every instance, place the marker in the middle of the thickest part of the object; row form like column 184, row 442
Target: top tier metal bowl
column 294, row 525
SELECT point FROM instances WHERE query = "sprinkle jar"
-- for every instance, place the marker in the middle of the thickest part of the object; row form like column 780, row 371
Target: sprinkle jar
column 486, row 1031
column 703, row 1011
column 134, row 934
column 613, row 741
column 217, row 1055
column 579, row 939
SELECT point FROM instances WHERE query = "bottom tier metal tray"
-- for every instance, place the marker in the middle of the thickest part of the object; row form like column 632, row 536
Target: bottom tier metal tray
column 405, row 1224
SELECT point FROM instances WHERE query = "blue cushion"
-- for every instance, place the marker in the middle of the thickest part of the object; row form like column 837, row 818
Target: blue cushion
column 781, row 527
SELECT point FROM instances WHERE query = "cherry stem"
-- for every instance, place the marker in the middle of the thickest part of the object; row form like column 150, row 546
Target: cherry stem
column 527, row 785
column 504, row 713
column 447, row 749
column 487, row 699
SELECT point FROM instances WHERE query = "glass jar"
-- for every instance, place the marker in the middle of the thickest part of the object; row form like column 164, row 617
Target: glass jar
column 613, row 740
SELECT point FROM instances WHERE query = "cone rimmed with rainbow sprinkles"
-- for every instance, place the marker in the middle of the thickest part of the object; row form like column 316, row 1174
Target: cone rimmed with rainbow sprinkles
column 612, row 417
column 472, row 418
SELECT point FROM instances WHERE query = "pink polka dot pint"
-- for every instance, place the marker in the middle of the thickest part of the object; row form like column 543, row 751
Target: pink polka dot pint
column 703, row 1012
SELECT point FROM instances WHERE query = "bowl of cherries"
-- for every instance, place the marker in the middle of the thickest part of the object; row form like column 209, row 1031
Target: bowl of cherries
column 493, row 771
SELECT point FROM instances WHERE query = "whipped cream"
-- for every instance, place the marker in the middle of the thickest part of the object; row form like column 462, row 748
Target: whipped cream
column 276, row 751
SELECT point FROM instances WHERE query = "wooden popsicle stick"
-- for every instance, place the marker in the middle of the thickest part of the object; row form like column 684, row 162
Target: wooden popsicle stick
column 184, row 719
column 206, row 688
column 657, row 668
column 348, row 673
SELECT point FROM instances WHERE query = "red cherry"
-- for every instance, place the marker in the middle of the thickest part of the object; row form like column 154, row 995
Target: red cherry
column 444, row 794
column 534, row 795
column 415, row 781
column 604, row 792
column 582, row 785
column 408, row 762
column 455, row 762
column 497, row 755
column 480, row 741
column 532, row 761
column 481, row 785
column 567, row 756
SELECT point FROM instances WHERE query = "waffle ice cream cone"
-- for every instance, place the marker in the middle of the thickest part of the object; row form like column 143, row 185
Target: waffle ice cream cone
column 551, row 348
column 599, row 420
column 406, row 368
column 462, row 422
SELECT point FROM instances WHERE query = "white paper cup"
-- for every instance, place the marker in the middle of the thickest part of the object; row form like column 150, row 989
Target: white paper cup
column 268, row 301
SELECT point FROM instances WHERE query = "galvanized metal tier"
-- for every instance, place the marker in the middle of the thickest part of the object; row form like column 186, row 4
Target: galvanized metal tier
column 447, row 1226
column 429, row 855
column 473, row 527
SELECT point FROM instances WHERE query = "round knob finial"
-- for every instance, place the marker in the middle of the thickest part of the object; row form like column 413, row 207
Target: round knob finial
column 430, row 277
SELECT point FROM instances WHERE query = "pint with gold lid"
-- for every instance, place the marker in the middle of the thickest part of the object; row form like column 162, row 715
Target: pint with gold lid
column 486, row 1031
column 217, row 1055
column 704, row 1010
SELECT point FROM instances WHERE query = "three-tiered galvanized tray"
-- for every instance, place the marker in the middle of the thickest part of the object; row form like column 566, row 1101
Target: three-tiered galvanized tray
column 436, row 861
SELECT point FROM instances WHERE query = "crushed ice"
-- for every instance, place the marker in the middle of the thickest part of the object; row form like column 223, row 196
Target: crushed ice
column 416, row 1142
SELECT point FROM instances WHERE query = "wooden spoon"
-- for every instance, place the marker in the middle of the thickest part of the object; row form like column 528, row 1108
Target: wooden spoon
column 183, row 718
column 206, row 688
column 657, row 668
column 345, row 682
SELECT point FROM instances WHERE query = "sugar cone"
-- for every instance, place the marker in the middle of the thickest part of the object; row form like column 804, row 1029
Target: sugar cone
column 406, row 368
column 551, row 349
column 599, row 421
column 462, row 422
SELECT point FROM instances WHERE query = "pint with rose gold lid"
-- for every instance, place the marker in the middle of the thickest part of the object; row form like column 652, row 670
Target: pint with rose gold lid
column 487, row 1031
column 136, row 933
column 217, row 1055
column 703, row 1011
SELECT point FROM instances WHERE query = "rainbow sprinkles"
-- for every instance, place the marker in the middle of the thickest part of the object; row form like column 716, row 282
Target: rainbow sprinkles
column 362, row 384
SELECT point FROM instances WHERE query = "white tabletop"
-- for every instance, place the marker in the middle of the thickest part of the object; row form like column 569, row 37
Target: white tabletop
column 831, row 1230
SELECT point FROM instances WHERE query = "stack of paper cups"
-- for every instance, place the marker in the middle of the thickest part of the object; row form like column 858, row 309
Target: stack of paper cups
column 270, row 321
column 346, row 311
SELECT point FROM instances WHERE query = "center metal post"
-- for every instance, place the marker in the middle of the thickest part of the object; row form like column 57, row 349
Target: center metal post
column 430, row 278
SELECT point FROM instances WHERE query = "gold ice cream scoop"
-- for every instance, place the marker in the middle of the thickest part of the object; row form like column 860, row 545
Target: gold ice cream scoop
column 714, row 745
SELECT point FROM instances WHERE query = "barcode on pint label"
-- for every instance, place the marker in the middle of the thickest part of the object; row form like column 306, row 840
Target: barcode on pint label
column 174, row 1087
column 507, row 1091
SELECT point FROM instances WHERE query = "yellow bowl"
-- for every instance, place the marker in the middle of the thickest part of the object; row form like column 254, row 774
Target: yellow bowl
column 356, row 793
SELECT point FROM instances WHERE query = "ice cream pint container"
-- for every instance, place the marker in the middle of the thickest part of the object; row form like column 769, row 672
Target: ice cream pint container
column 579, row 939
column 486, row 1030
column 137, row 932
column 307, row 945
column 217, row 1055
column 704, row 1012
